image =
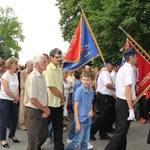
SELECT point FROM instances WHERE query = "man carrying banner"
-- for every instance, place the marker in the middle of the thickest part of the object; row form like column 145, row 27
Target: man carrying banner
column 125, row 92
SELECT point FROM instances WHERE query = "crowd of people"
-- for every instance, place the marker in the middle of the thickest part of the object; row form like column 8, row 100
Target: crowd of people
column 42, row 95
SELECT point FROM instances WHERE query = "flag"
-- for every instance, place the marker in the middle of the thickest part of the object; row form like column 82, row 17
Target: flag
column 143, row 71
column 83, row 47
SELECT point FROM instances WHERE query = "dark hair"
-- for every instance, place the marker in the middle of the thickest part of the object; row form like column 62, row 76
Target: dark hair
column 127, row 58
column 46, row 55
column 55, row 51
column 77, row 74
column 87, row 74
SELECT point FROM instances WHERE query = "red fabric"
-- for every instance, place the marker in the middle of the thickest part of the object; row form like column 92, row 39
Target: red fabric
column 148, row 94
column 74, row 49
column 143, row 71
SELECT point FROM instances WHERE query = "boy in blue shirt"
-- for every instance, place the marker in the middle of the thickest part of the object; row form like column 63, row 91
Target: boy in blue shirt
column 83, row 113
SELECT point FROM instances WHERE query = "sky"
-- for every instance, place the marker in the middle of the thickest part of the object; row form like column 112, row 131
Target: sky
column 40, row 26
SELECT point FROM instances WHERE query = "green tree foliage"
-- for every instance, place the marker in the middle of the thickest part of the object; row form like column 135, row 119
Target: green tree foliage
column 104, row 17
column 10, row 33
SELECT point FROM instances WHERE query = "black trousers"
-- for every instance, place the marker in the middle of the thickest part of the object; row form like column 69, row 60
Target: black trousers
column 8, row 111
column 56, row 116
column 148, row 138
column 119, row 140
column 112, row 114
column 144, row 106
column 100, row 123
column 37, row 128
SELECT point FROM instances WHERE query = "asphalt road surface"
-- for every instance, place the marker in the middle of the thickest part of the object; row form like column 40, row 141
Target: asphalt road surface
column 137, row 137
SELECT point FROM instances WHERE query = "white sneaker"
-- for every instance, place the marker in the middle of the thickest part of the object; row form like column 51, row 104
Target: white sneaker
column 90, row 146
column 68, row 141
column 48, row 141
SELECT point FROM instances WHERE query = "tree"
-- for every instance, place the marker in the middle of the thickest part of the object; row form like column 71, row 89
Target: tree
column 104, row 17
column 10, row 33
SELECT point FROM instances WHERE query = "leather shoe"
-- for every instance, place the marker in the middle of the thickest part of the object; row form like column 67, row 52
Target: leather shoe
column 92, row 138
column 5, row 145
column 23, row 128
column 105, row 137
column 143, row 121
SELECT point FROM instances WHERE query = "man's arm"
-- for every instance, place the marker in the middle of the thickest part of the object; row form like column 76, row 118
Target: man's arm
column 128, row 96
column 110, row 86
column 57, row 93
column 37, row 104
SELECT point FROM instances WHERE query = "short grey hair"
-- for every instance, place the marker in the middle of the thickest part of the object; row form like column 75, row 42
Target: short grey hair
column 29, row 61
column 37, row 59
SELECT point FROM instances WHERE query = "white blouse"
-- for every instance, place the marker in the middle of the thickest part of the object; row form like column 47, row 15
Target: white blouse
column 13, row 85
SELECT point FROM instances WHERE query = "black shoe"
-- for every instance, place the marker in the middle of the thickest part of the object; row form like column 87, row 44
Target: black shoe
column 14, row 140
column 92, row 138
column 5, row 145
column 105, row 137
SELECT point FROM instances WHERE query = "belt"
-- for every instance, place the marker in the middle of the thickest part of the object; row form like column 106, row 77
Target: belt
column 104, row 94
column 121, row 99
column 38, row 110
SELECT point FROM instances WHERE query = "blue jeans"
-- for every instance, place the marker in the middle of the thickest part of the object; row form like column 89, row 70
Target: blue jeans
column 81, row 137
column 72, row 130
column 50, row 130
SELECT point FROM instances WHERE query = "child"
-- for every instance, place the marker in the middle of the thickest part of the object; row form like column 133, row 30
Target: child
column 83, row 113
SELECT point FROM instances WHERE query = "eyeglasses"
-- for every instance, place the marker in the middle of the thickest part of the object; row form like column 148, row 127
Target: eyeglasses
column 58, row 57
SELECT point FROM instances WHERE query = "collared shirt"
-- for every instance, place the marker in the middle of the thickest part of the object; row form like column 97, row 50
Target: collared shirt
column 113, row 76
column 35, row 87
column 103, row 79
column 85, row 99
column 13, row 85
column 53, row 77
column 23, row 77
column 125, row 76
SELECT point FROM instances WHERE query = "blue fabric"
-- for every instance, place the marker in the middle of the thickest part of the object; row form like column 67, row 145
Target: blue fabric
column 8, row 110
column 72, row 130
column 88, row 49
column 50, row 130
column 81, row 137
column 77, row 84
column 85, row 99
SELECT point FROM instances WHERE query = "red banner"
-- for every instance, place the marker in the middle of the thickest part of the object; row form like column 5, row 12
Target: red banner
column 143, row 71
column 74, row 49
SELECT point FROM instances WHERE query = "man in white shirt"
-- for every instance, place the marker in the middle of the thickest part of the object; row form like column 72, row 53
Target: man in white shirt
column 36, row 109
column 116, row 66
column 125, row 92
column 105, row 89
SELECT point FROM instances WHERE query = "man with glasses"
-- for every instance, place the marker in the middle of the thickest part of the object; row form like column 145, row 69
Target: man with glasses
column 56, row 98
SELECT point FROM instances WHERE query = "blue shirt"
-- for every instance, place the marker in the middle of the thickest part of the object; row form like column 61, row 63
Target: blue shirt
column 77, row 84
column 85, row 99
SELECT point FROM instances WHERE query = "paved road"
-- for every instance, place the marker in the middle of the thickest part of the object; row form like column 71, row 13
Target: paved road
column 136, row 139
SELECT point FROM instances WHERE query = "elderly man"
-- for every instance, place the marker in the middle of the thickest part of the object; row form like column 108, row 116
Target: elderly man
column 36, row 109
column 23, row 77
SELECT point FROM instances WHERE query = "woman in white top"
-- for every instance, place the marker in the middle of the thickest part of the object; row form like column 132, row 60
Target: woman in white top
column 66, row 93
column 9, row 98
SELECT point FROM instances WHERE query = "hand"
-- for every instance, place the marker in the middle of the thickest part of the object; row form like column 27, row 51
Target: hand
column 90, row 114
column 47, row 110
column 78, row 127
column 15, row 101
column 131, row 115
column 45, row 115
column 17, row 98
column 62, row 100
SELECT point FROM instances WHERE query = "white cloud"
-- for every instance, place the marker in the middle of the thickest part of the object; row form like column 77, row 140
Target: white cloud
column 40, row 26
